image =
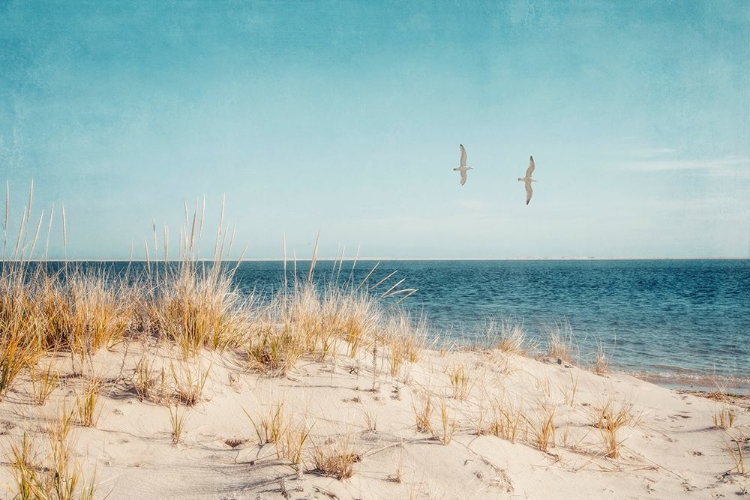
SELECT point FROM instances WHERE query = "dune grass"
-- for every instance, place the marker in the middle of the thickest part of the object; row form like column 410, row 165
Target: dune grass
column 188, row 303
column 335, row 458
column 51, row 472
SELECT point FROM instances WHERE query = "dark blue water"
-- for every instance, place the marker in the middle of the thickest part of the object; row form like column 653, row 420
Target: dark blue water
column 680, row 323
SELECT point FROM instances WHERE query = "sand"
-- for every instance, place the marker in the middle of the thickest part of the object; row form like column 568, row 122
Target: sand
column 668, row 448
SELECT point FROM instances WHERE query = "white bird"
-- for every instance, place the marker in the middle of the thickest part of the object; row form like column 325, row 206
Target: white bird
column 463, row 168
column 528, row 180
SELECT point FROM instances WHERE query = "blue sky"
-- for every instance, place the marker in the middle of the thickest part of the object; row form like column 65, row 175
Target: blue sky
column 344, row 118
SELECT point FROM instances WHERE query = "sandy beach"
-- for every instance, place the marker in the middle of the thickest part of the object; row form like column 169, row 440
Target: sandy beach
column 501, row 425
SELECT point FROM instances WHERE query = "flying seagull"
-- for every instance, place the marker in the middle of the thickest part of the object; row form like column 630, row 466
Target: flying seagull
column 528, row 180
column 463, row 168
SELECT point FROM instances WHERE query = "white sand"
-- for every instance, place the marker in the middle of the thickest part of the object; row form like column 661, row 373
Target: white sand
column 672, row 451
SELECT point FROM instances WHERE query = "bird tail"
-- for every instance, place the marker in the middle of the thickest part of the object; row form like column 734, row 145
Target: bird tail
column 456, row 169
column 522, row 179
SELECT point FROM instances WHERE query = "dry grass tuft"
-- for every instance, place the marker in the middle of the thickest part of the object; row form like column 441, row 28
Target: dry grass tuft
column 43, row 383
column 506, row 420
column 460, row 382
column 423, row 415
column 51, row 475
column 271, row 425
column 560, row 341
column 609, row 418
column 543, row 430
column 601, row 365
column 725, row 417
column 511, row 337
column 448, row 424
column 736, row 448
column 144, row 378
column 294, row 436
column 336, row 458
column 177, row 418
column 189, row 382
column 198, row 307
column 86, row 402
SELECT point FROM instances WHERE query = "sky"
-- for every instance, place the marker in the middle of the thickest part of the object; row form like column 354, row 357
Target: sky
column 344, row 119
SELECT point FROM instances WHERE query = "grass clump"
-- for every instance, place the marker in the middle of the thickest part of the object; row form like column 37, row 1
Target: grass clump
column 336, row 458
column 560, row 341
column 609, row 418
column 448, row 424
column 460, row 382
column 508, row 337
column 43, row 383
column 737, row 449
column 724, row 418
column 288, row 434
column 197, row 307
column 543, row 430
column 189, row 382
column 177, row 418
column 86, row 402
column 51, row 475
column 270, row 426
column 506, row 420
column 423, row 415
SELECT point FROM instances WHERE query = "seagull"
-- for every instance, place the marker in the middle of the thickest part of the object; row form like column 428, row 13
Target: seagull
column 463, row 168
column 528, row 180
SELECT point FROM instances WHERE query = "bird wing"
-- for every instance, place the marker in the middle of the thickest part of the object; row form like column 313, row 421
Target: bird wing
column 463, row 155
column 463, row 177
column 529, row 192
column 531, row 167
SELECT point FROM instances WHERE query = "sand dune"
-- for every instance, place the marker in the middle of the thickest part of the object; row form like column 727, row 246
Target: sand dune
column 668, row 445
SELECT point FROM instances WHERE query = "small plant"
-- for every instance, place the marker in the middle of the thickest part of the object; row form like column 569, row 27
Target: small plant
column 23, row 463
column 189, row 382
column 371, row 420
column 738, row 456
column 43, row 383
column 335, row 459
column 398, row 476
column 56, row 475
column 602, row 361
column 511, row 338
column 86, row 402
column 543, row 431
column 294, row 437
column 270, row 426
column 405, row 340
column 506, row 421
column 724, row 419
column 274, row 350
column 570, row 392
column 423, row 415
column 143, row 378
column 560, row 341
column 459, row 382
column 448, row 425
column 609, row 419
column 177, row 419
